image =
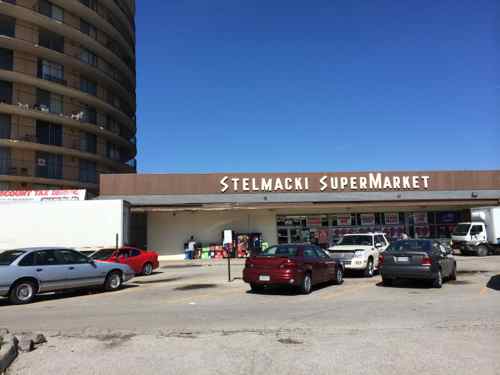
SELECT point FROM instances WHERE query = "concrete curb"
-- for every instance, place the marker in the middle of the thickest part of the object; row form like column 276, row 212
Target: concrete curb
column 8, row 351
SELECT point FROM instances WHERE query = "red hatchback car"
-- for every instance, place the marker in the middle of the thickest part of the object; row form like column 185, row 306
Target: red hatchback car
column 300, row 266
column 142, row 262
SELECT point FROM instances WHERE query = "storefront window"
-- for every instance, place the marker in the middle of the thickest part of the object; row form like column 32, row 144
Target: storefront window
column 326, row 230
column 343, row 220
column 325, row 221
column 282, row 236
column 292, row 221
column 366, row 219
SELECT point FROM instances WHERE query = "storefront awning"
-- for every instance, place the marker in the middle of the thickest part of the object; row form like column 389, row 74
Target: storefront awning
column 212, row 202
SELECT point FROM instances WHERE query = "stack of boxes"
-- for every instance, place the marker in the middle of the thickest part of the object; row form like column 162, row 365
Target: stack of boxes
column 217, row 251
column 205, row 252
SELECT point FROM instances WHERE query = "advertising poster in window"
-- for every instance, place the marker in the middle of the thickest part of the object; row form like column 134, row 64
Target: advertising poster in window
column 422, row 231
column 391, row 218
column 447, row 217
column 420, row 218
column 314, row 221
column 344, row 220
column 367, row 219
column 228, row 237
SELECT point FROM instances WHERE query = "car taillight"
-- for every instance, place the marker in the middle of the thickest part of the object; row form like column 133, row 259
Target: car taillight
column 380, row 259
column 426, row 261
column 288, row 264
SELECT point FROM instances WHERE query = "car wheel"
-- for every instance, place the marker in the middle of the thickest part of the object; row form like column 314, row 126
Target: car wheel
column 482, row 251
column 113, row 281
column 147, row 269
column 306, row 286
column 453, row 275
column 369, row 268
column 438, row 281
column 22, row 292
column 386, row 281
column 256, row 288
column 339, row 276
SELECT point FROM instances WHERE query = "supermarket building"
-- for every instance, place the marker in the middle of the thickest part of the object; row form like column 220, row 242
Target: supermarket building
column 297, row 207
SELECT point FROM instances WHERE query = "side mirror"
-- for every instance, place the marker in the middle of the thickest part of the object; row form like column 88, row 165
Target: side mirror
column 378, row 245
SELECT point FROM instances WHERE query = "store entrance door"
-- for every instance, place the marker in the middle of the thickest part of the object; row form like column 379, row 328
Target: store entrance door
column 294, row 235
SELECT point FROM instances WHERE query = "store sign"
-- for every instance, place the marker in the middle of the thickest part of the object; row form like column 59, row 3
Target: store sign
column 372, row 181
column 367, row 219
column 264, row 184
column 391, row 218
column 42, row 195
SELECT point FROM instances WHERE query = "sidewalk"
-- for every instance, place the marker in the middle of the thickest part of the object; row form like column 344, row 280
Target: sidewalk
column 201, row 263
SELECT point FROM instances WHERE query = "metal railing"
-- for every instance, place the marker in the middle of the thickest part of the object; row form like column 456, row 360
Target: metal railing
column 52, row 78
column 126, row 11
column 35, row 9
column 115, row 76
column 55, row 135
column 117, row 24
column 80, row 114
column 41, row 167
column 72, row 82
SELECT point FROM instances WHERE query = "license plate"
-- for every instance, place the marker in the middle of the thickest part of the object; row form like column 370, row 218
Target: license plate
column 402, row 259
column 264, row 278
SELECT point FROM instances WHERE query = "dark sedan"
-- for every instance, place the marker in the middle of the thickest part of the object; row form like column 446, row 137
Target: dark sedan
column 417, row 259
column 299, row 266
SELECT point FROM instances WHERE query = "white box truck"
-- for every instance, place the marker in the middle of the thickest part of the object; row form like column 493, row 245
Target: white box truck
column 481, row 236
column 82, row 225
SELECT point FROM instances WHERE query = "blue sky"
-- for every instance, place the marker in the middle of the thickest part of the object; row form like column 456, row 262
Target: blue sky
column 323, row 85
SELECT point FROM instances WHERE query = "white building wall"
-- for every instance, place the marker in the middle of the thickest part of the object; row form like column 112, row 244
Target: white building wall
column 167, row 232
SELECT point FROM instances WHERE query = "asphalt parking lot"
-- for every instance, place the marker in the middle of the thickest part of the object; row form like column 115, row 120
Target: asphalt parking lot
column 190, row 320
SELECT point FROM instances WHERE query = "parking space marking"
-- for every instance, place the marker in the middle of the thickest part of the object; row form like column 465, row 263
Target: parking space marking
column 346, row 290
column 204, row 296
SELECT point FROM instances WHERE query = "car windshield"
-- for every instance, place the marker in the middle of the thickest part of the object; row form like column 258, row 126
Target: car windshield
column 461, row 230
column 410, row 245
column 87, row 252
column 356, row 240
column 7, row 257
column 103, row 254
column 280, row 251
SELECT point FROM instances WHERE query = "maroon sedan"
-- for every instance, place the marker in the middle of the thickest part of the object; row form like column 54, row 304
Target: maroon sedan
column 300, row 266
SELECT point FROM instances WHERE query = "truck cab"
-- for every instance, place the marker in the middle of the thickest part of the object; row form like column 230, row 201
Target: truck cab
column 471, row 237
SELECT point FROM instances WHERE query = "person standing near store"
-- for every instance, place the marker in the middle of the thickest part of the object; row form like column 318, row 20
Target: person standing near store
column 191, row 247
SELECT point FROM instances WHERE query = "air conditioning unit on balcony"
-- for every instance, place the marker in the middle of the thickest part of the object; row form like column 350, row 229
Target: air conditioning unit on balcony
column 41, row 162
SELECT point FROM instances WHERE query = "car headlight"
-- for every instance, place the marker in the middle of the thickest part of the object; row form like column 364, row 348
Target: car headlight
column 359, row 254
